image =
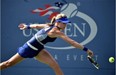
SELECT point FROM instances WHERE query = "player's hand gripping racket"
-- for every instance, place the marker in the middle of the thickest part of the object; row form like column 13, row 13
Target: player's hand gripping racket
column 95, row 64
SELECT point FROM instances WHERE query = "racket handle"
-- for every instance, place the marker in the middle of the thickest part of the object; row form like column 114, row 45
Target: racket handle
column 91, row 59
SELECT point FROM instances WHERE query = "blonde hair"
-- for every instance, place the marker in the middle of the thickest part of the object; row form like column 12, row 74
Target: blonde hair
column 56, row 18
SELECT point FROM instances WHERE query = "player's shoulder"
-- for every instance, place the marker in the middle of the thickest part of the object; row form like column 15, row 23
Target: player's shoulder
column 58, row 33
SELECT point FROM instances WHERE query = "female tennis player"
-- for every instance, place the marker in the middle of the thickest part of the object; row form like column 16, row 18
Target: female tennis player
column 35, row 46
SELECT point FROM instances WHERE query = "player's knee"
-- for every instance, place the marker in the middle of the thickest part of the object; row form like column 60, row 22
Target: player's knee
column 7, row 64
column 53, row 64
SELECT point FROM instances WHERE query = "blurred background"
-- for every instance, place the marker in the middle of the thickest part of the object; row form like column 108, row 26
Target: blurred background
column 93, row 25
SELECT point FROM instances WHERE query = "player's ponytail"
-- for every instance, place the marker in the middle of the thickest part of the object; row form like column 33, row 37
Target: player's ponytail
column 53, row 20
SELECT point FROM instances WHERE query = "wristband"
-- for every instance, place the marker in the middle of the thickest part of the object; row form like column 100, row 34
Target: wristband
column 28, row 27
column 85, row 49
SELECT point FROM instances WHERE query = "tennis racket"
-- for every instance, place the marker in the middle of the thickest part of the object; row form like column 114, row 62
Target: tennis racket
column 92, row 60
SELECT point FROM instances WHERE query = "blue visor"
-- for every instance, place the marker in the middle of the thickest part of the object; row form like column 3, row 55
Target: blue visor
column 63, row 20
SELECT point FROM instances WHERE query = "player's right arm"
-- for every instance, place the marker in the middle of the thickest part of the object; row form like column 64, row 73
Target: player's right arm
column 23, row 26
column 70, row 41
column 75, row 43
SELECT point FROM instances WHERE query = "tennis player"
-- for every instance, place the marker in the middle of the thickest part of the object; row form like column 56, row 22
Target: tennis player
column 35, row 46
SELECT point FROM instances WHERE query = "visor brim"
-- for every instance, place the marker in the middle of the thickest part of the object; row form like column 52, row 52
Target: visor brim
column 63, row 21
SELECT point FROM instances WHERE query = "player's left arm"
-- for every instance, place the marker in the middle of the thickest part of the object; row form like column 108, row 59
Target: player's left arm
column 39, row 26
column 23, row 26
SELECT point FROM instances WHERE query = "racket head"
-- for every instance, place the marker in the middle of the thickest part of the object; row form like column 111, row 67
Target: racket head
column 95, row 64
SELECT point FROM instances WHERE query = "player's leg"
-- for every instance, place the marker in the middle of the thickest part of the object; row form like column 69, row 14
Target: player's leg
column 12, row 61
column 45, row 57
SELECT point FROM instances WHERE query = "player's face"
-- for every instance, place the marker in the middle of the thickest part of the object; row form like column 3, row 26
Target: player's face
column 62, row 25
